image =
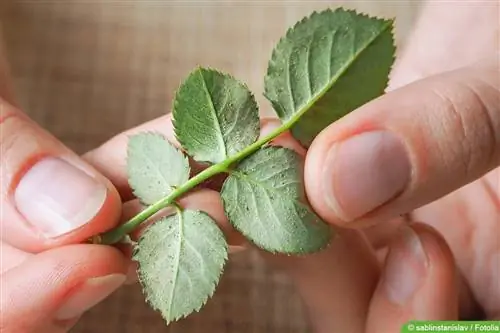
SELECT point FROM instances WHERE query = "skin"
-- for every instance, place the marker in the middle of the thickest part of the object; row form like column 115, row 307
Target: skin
column 451, row 206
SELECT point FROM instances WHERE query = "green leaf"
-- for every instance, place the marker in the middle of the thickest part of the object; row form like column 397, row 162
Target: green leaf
column 154, row 167
column 215, row 116
column 263, row 198
column 327, row 65
column 181, row 258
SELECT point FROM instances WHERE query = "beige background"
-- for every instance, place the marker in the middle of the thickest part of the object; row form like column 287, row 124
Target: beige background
column 87, row 70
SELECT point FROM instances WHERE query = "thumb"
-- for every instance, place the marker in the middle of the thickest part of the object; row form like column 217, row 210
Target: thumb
column 407, row 148
column 49, row 291
column 49, row 196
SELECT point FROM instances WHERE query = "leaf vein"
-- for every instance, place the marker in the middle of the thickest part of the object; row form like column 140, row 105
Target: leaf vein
column 289, row 81
column 308, row 63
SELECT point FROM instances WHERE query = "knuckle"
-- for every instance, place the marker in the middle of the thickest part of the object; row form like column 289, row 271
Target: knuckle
column 486, row 124
column 470, row 123
column 452, row 124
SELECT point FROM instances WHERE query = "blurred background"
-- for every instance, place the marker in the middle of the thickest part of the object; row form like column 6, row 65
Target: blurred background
column 86, row 70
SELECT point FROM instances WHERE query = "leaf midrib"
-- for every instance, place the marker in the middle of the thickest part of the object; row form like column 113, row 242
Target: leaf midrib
column 214, row 114
column 176, row 267
column 296, row 115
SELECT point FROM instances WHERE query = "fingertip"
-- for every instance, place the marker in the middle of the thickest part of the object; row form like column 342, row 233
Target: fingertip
column 419, row 258
column 435, row 244
column 351, row 177
column 375, row 163
column 418, row 281
column 59, row 201
column 68, row 281
column 442, row 282
column 314, row 182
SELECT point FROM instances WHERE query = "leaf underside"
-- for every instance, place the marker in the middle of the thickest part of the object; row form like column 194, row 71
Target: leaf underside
column 215, row 116
column 327, row 65
column 181, row 258
column 263, row 199
column 154, row 167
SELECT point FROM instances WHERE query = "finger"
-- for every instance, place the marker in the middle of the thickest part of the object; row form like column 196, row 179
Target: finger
column 407, row 148
column 476, row 243
column 418, row 282
column 11, row 257
column 49, row 196
column 380, row 235
column 335, row 284
column 50, row 290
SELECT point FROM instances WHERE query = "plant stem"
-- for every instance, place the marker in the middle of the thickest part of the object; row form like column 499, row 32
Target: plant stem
column 115, row 235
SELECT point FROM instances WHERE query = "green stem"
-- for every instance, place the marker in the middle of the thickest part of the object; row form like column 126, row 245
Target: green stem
column 115, row 235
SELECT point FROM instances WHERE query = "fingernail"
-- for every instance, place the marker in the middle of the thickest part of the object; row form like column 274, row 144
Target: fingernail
column 89, row 294
column 56, row 197
column 364, row 172
column 406, row 267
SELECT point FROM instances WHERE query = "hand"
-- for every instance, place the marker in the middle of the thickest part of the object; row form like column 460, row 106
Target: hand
column 50, row 198
column 430, row 150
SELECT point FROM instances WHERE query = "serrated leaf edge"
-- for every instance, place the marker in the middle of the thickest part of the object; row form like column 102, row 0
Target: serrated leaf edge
column 175, row 103
column 214, row 284
column 388, row 26
column 302, row 200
